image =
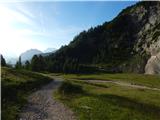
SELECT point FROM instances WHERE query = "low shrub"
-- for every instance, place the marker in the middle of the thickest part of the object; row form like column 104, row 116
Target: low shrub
column 67, row 88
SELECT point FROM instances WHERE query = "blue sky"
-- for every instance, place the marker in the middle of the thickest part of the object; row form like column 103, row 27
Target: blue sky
column 42, row 25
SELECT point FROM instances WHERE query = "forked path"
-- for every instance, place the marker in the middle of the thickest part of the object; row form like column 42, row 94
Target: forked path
column 42, row 105
column 126, row 84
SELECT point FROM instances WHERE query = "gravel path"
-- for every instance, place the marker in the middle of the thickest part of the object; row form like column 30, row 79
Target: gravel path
column 42, row 105
column 123, row 84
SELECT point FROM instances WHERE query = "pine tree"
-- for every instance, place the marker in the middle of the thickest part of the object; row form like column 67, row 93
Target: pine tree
column 35, row 63
column 3, row 62
column 27, row 65
column 18, row 64
column 42, row 64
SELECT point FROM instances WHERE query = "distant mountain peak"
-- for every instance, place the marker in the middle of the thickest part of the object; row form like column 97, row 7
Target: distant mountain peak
column 27, row 55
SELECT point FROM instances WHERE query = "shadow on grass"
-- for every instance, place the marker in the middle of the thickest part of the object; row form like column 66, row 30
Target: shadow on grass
column 125, row 102
column 74, row 91
column 93, row 84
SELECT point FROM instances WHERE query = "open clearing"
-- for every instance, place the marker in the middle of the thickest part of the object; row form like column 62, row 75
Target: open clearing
column 123, row 84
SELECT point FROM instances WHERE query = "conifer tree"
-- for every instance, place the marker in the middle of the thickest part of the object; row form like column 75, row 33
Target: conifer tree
column 3, row 62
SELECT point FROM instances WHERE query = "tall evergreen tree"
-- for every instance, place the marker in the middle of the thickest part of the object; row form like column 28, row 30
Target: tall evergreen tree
column 35, row 63
column 42, row 64
column 38, row 63
column 3, row 62
column 18, row 64
column 27, row 65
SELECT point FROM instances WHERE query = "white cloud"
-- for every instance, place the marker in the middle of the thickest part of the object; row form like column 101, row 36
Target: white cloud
column 9, row 16
column 13, row 41
column 20, row 7
column 40, row 32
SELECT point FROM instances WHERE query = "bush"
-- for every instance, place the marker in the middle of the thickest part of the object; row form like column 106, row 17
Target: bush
column 67, row 88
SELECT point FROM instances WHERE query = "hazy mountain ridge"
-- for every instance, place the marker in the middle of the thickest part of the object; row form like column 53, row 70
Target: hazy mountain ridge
column 11, row 60
column 28, row 54
column 48, row 50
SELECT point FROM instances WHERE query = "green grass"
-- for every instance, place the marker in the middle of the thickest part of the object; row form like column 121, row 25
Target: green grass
column 107, row 101
column 139, row 79
column 16, row 85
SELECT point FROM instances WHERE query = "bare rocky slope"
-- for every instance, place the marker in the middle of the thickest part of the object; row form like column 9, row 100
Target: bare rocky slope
column 148, row 38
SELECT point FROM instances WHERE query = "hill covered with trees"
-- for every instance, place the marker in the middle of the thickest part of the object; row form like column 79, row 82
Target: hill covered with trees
column 124, row 44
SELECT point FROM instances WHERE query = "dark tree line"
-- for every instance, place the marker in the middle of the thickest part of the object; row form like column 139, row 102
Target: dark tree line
column 41, row 64
column 37, row 64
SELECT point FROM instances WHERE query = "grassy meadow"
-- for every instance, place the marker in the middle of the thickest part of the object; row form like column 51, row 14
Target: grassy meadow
column 16, row 85
column 108, row 101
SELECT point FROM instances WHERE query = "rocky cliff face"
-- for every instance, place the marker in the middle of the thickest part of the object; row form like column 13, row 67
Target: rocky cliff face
column 146, row 17
column 148, row 38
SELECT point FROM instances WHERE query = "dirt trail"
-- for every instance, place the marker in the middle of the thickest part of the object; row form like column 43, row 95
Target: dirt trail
column 123, row 84
column 42, row 105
